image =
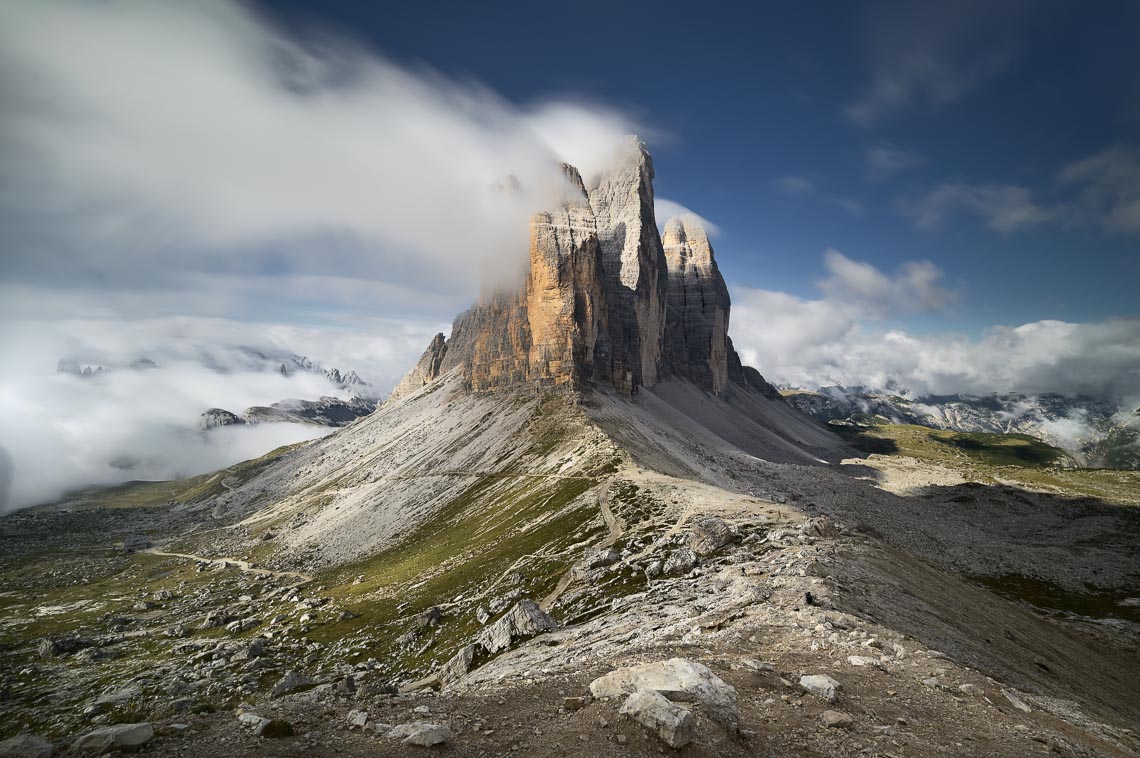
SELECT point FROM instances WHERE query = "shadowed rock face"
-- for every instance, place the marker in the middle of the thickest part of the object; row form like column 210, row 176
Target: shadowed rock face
column 602, row 302
column 698, row 305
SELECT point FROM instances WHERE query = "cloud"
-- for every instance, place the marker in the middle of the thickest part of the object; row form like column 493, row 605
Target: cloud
column 1003, row 208
column 842, row 338
column 867, row 291
column 933, row 54
column 1108, row 186
column 884, row 160
column 794, row 186
column 664, row 209
column 140, row 137
column 64, row 432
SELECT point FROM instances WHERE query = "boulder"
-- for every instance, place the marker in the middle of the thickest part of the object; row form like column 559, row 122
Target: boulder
column 676, row 679
column 822, row 686
column 669, row 721
column 596, row 557
column 458, row 665
column 116, row 737
column 26, row 746
column 709, row 534
column 680, row 561
column 524, row 620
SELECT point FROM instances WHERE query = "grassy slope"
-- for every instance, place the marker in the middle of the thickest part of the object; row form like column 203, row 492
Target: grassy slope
column 189, row 490
column 1016, row 459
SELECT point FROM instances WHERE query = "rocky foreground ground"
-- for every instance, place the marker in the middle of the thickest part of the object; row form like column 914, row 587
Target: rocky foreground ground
column 720, row 631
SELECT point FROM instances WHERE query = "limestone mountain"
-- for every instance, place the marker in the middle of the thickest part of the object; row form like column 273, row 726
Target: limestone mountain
column 573, row 512
column 605, row 300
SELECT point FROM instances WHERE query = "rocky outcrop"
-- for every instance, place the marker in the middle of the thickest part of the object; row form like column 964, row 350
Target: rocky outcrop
column 698, row 306
column 425, row 370
column 215, row 417
column 603, row 301
column 634, row 267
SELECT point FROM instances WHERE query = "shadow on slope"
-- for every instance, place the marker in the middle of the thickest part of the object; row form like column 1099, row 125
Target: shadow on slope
column 914, row 567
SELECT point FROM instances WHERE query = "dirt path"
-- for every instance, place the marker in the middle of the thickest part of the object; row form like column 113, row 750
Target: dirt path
column 243, row 565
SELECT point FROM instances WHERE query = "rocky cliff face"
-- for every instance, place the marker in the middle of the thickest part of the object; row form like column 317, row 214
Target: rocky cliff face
column 698, row 306
column 603, row 301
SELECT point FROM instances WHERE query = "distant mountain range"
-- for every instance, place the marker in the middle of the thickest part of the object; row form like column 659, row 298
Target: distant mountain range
column 1094, row 432
column 324, row 411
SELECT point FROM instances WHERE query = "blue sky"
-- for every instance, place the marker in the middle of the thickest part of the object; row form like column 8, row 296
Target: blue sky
column 756, row 112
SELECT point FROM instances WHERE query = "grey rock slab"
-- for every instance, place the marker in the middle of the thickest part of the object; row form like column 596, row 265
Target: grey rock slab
column 822, row 686
column 26, row 746
column 113, row 737
column 672, row 723
column 836, row 720
column 421, row 734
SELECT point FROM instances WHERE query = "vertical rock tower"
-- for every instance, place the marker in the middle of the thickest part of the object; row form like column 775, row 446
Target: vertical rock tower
column 606, row 300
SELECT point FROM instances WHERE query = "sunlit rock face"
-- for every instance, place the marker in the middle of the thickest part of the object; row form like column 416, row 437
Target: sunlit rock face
column 603, row 302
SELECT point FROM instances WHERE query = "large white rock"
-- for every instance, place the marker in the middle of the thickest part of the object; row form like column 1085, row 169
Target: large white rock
column 110, row 737
column 670, row 722
column 822, row 686
column 677, row 679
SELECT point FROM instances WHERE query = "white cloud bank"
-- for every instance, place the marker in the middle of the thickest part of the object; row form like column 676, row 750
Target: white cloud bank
column 840, row 339
column 199, row 135
column 62, row 432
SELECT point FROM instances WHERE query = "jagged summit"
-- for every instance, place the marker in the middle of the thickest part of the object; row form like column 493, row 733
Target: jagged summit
column 606, row 300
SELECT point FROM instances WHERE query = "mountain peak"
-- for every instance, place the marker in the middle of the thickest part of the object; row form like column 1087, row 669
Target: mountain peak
column 604, row 300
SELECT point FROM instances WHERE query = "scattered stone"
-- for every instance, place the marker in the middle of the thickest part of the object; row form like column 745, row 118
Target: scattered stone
column 574, row 703
column 822, row 686
column 357, row 719
column 669, row 721
column 26, row 746
column 292, row 681
column 1016, row 702
column 178, row 631
column 118, row 736
column 252, row 720
column 420, row 733
column 836, row 720
column 676, row 679
column 709, row 534
column 970, row 689
column 430, row 617
column 481, row 615
column 862, row 660
column 755, row 665
column 276, row 729
column 654, row 569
